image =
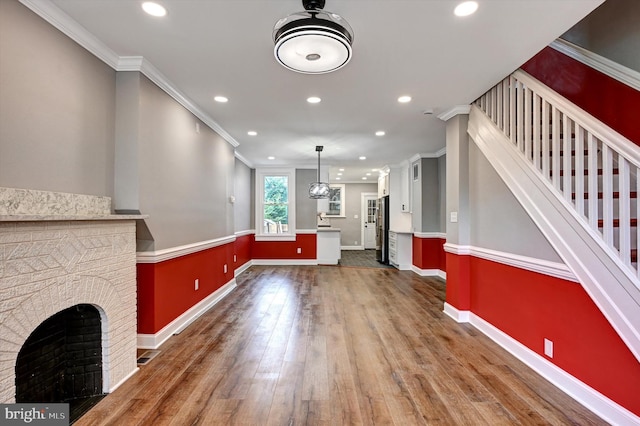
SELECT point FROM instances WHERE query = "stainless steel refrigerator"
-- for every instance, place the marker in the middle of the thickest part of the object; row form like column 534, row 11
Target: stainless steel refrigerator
column 382, row 230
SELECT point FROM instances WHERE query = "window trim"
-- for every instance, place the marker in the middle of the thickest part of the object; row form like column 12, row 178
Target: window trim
column 290, row 235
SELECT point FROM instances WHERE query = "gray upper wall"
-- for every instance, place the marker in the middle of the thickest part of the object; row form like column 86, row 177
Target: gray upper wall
column 497, row 220
column 350, row 227
column 244, row 204
column 306, row 208
column 57, row 109
column 612, row 30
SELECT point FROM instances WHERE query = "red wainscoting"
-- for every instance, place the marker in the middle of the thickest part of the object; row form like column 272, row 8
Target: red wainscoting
column 607, row 99
column 242, row 249
column 167, row 289
column 428, row 253
column 286, row 249
column 530, row 307
column 458, row 282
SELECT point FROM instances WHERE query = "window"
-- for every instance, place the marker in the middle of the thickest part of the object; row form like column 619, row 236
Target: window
column 336, row 201
column 275, row 206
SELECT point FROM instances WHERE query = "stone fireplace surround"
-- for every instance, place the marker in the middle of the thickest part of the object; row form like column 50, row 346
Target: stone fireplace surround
column 59, row 250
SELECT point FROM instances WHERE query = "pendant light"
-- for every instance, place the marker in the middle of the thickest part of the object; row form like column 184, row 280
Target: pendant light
column 319, row 189
column 313, row 41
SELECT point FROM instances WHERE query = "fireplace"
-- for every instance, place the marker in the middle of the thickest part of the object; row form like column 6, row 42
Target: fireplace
column 67, row 296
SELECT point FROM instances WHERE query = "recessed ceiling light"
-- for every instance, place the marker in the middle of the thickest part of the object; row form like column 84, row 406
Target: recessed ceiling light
column 339, row 174
column 342, row 170
column 364, row 178
column 313, row 99
column 368, row 174
column 380, row 133
column 374, row 170
column 466, row 8
column 252, row 133
column 338, row 178
column 404, row 99
column 271, row 158
column 220, row 99
column 153, row 9
column 362, row 158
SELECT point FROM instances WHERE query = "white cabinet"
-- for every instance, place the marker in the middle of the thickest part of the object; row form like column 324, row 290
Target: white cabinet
column 328, row 246
column 383, row 185
column 400, row 250
column 405, row 189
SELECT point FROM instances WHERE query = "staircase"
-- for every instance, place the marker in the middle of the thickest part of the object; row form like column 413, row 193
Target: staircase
column 578, row 180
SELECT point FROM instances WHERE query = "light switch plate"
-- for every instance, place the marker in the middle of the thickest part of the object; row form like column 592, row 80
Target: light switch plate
column 454, row 217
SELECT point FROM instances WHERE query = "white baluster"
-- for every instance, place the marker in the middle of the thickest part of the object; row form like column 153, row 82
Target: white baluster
column 494, row 107
column 624, row 207
column 500, row 107
column 519, row 120
column 527, row 123
column 592, row 170
column 536, row 131
column 555, row 147
column 579, row 170
column 545, row 150
column 607, row 194
column 505, row 106
column 566, row 148
column 513, row 87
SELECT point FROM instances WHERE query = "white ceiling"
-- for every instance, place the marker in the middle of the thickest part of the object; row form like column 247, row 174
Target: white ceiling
column 416, row 47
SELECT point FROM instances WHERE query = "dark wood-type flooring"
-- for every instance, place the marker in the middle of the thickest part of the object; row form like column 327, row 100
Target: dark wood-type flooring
column 309, row 345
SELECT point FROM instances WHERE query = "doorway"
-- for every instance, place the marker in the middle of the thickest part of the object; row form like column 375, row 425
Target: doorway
column 369, row 203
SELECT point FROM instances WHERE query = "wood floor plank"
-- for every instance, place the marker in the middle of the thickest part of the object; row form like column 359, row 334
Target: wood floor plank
column 322, row 345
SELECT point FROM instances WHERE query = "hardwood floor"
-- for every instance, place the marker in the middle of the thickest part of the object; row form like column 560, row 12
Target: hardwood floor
column 330, row 345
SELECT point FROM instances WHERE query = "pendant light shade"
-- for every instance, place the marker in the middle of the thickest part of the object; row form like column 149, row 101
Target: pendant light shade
column 319, row 189
column 313, row 41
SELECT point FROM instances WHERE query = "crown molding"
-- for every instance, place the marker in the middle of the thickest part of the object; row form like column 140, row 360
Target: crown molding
column 244, row 160
column 452, row 112
column 76, row 32
column 439, row 153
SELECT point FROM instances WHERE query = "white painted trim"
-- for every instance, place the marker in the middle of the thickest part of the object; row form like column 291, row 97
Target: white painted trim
column 439, row 153
column 76, row 32
column 275, row 237
column 429, row 272
column 452, row 112
column 284, row 262
column 606, row 66
column 404, row 266
column 240, row 269
column 441, row 235
column 605, row 279
column 306, row 231
column 121, row 382
column 331, row 261
column 174, row 252
column 540, row 266
column 244, row 160
column 455, row 314
column 153, row 341
column 363, row 217
column 352, row 247
column 604, row 407
column 245, row 232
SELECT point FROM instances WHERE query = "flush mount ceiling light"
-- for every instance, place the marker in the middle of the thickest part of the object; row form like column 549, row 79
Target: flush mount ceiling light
column 313, row 41
column 154, row 9
column 466, row 8
column 319, row 189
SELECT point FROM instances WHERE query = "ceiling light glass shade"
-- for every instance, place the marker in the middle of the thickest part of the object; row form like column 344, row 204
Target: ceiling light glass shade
column 319, row 190
column 313, row 42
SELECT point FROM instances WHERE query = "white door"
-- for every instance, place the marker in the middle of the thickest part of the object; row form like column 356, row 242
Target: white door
column 369, row 220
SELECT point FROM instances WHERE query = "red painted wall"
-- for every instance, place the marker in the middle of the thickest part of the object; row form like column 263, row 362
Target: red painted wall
column 458, row 282
column 242, row 250
column 530, row 307
column 612, row 102
column 285, row 249
column 428, row 253
column 166, row 289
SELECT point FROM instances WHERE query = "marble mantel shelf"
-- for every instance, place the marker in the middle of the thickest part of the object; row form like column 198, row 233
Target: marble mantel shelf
column 65, row 218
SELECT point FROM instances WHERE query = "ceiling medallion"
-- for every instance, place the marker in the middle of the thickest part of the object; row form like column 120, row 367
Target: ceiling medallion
column 313, row 41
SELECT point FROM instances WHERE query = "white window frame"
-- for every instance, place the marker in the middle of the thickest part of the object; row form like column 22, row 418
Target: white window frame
column 342, row 200
column 290, row 235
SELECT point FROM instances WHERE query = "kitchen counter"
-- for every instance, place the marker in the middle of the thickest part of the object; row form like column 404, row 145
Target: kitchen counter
column 328, row 245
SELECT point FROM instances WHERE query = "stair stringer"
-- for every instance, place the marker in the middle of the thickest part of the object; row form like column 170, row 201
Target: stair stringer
column 608, row 283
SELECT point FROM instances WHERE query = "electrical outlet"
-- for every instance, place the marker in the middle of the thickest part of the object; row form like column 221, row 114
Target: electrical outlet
column 299, row 250
column 197, row 284
column 225, row 268
column 355, row 243
column 548, row 348
column 235, row 259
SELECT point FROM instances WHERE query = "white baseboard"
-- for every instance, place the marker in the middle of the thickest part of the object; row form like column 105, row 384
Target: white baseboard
column 240, row 269
column 333, row 261
column 153, row 341
column 429, row 272
column 284, row 262
column 457, row 315
column 351, row 247
column 127, row 377
column 585, row 395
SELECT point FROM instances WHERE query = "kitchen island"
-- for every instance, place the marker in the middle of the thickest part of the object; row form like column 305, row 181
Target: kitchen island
column 328, row 246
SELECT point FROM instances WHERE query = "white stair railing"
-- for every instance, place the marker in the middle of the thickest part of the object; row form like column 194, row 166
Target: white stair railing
column 589, row 165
